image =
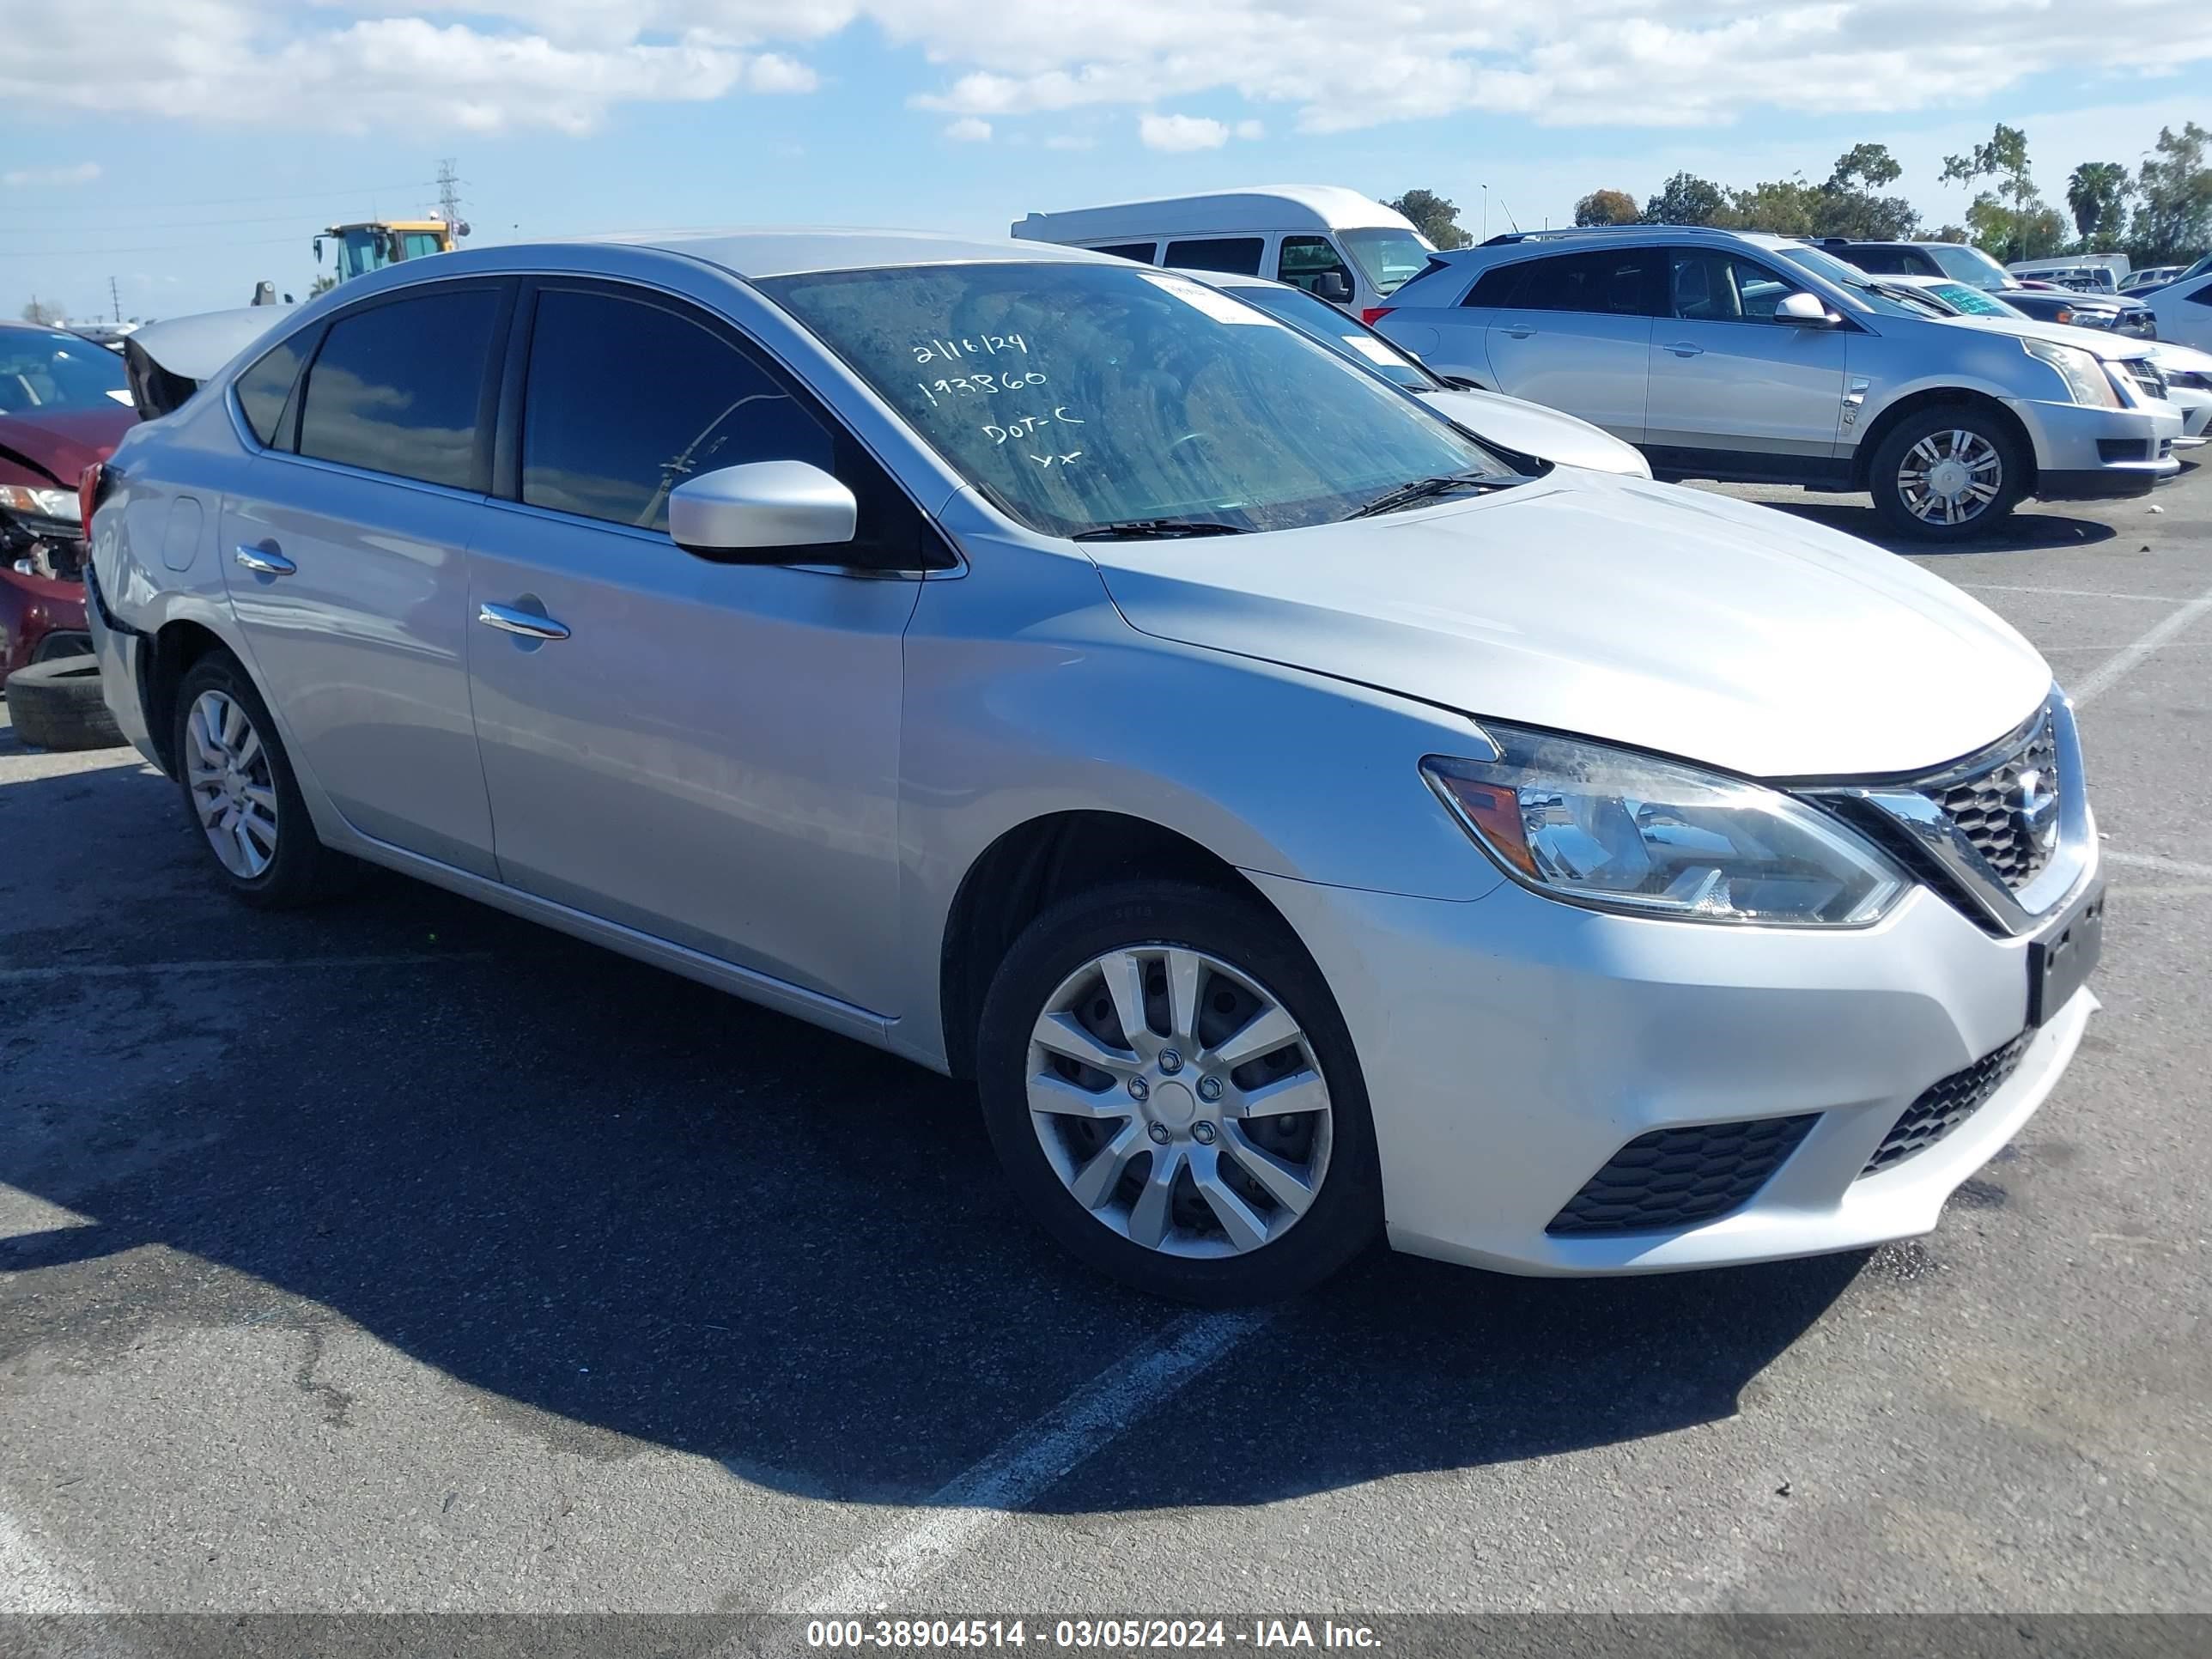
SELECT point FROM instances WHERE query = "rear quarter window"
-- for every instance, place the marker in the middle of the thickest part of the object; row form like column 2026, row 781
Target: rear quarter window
column 265, row 392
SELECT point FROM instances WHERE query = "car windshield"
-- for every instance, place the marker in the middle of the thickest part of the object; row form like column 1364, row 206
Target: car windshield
column 1971, row 301
column 41, row 369
column 1865, row 293
column 1346, row 336
column 1078, row 396
column 1970, row 264
column 1388, row 257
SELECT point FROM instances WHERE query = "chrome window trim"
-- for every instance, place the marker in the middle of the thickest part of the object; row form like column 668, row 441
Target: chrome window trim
column 1912, row 806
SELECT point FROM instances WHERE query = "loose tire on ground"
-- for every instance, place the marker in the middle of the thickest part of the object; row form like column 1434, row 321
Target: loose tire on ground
column 56, row 704
column 298, row 869
column 1238, row 957
column 1988, row 458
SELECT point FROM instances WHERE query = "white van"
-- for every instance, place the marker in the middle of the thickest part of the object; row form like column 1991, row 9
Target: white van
column 1338, row 245
column 2095, row 273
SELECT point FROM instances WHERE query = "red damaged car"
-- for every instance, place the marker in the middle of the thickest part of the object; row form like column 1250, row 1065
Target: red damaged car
column 65, row 404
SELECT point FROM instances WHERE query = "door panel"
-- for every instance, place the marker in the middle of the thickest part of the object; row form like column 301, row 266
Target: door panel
column 710, row 756
column 1726, row 375
column 1587, row 363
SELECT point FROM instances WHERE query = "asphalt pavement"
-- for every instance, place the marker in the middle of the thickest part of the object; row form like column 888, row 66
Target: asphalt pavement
column 399, row 1256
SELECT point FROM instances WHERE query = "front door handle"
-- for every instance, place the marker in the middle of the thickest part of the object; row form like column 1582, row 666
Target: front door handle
column 528, row 624
column 264, row 560
column 1519, row 331
column 1684, row 349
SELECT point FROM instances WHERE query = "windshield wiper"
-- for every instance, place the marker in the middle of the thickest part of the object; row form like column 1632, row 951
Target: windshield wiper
column 1157, row 530
column 1422, row 489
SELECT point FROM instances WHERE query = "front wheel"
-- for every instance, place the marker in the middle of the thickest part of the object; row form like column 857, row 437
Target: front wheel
column 1172, row 1093
column 1947, row 474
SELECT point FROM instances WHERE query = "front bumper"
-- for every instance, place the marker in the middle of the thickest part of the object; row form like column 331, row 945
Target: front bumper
column 1512, row 1045
column 2084, row 453
column 2196, row 409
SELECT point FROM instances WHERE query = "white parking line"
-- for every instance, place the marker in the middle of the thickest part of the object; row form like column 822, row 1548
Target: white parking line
column 2131, row 656
column 2066, row 592
column 232, row 965
column 2153, row 861
column 1022, row 1467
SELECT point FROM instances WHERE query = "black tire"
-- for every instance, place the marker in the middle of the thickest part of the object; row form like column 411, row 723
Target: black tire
column 1346, row 1213
column 302, row 871
column 56, row 704
column 1935, row 424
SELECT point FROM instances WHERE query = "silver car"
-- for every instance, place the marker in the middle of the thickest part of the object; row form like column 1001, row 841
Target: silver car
column 1759, row 359
column 1301, row 822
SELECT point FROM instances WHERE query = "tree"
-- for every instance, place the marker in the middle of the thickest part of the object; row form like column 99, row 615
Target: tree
column 40, row 310
column 1864, row 167
column 1780, row 206
column 2173, row 219
column 1433, row 216
column 323, row 284
column 2010, row 219
column 2097, row 193
column 1848, row 205
column 1686, row 199
column 1606, row 206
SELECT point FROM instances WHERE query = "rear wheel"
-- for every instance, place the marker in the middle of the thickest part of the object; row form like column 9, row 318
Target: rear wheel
column 1947, row 474
column 1172, row 1091
column 240, row 795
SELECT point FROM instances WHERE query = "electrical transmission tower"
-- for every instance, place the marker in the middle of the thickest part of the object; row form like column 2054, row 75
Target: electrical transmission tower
column 449, row 192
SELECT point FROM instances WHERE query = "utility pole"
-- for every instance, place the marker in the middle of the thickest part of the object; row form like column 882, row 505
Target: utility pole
column 449, row 192
column 115, row 299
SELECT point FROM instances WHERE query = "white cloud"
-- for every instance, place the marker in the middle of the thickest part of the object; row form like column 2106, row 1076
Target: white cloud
column 1181, row 132
column 1332, row 65
column 80, row 173
column 1251, row 130
column 969, row 129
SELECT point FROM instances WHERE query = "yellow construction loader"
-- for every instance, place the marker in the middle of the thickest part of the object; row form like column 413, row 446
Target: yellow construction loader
column 372, row 244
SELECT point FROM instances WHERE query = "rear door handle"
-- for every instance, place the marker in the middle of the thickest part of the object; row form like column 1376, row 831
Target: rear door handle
column 528, row 624
column 1684, row 349
column 264, row 560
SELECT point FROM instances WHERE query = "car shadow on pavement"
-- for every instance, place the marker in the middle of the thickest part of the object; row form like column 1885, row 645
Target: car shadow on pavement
column 2018, row 532
column 623, row 1208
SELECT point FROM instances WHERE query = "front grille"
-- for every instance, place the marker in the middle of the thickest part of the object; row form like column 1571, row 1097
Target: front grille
column 1942, row 1107
column 1674, row 1177
column 2144, row 372
column 1987, row 807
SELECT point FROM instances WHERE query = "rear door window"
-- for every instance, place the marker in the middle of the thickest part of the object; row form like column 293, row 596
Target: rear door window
column 1609, row 282
column 400, row 388
column 1237, row 256
column 1140, row 252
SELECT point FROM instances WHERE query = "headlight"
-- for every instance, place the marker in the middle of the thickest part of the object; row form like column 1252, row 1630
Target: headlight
column 1617, row 830
column 39, row 503
column 2084, row 377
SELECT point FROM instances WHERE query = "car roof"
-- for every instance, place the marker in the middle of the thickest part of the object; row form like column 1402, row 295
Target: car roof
column 1251, row 207
column 785, row 251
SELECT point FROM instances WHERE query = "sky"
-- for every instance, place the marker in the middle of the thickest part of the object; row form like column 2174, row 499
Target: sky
column 184, row 149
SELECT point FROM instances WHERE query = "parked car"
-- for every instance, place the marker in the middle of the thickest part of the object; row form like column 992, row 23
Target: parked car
column 2184, row 374
column 1338, row 244
column 2092, row 273
column 1970, row 264
column 1760, row 359
column 2185, row 311
column 1526, row 428
column 1059, row 673
column 62, row 405
column 2140, row 282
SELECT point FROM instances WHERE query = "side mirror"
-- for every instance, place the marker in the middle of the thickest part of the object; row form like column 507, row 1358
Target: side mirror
column 751, row 514
column 1331, row 286
column 1806, row 311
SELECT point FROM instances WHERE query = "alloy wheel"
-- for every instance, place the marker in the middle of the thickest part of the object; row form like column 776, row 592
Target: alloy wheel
column 1179, row 1102
column 232, row 789
column 1950, row 478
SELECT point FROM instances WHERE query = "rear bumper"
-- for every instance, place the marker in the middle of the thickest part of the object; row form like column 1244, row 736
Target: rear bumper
column 119, row 664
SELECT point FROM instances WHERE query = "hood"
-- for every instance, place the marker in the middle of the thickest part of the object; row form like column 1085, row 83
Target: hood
column 2113, row 348
column 2169, row 356
column 62, row 442
column 1688, row 623
column 1532, row 430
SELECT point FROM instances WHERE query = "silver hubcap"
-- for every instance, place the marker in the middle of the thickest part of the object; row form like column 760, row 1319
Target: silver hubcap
column 1950, row 477
column 228, row 770
column 1179, row 1102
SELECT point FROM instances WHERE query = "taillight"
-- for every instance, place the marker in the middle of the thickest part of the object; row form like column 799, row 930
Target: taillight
column 1374, row 314
column 91, row 484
